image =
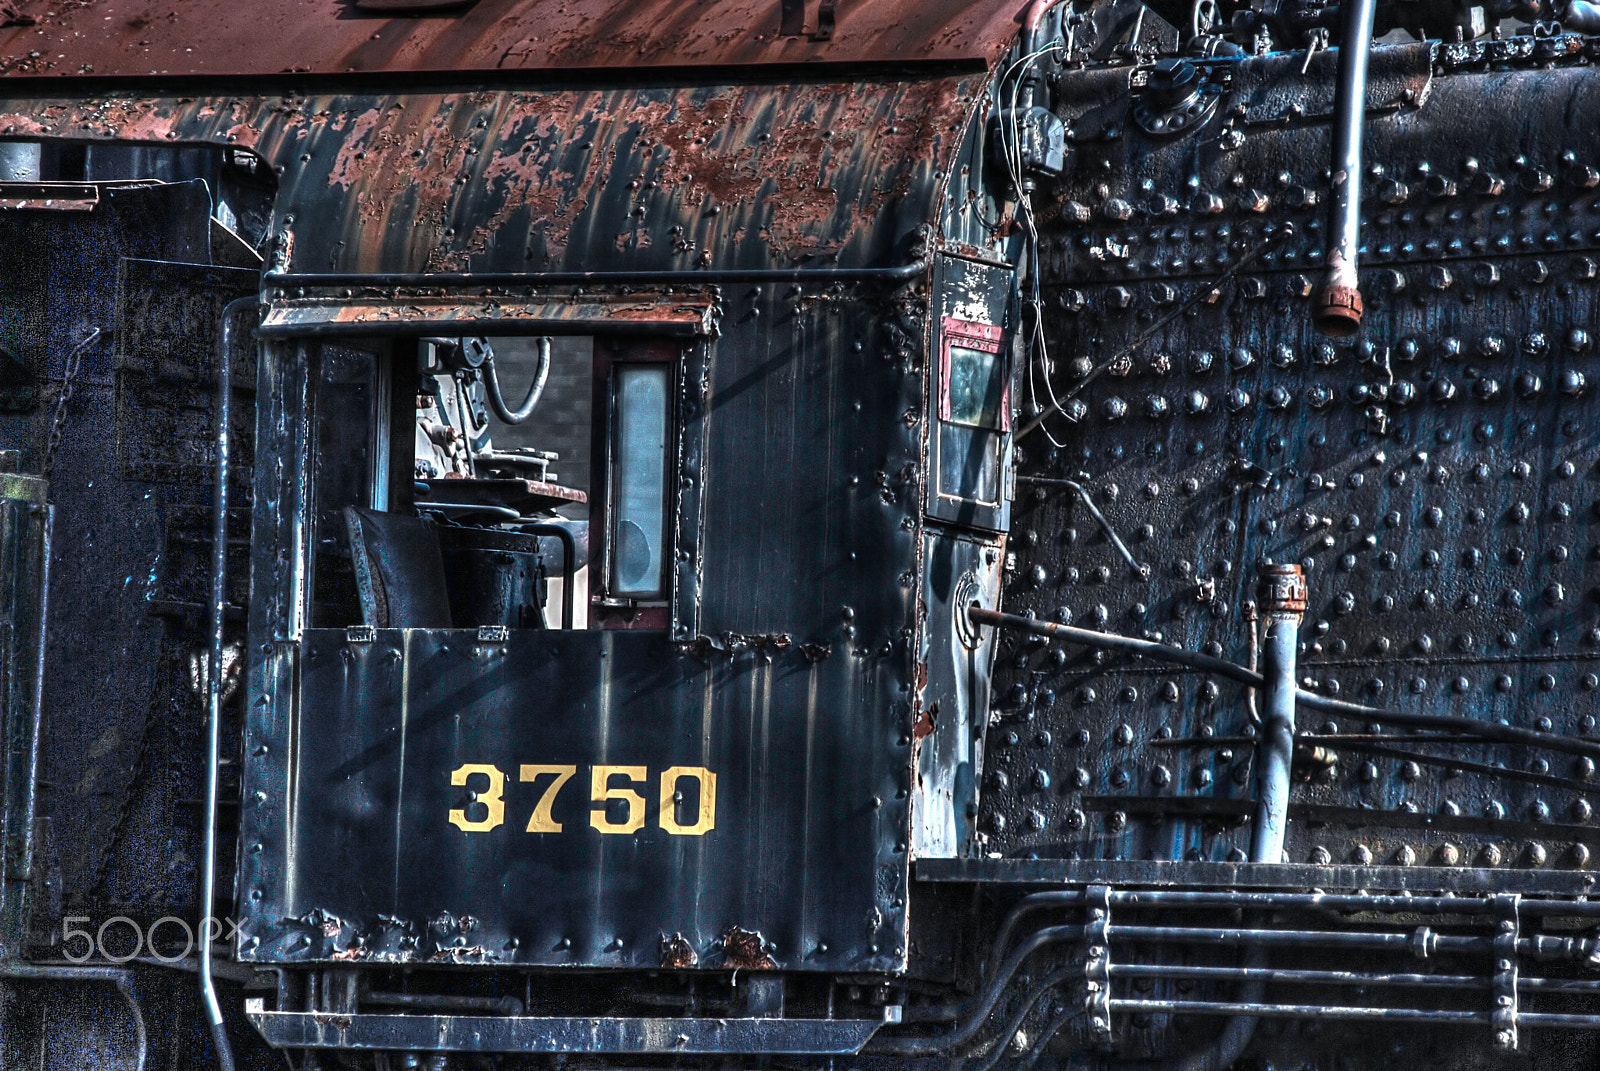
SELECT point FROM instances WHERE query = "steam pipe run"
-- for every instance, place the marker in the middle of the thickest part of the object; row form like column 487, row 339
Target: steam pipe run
column 219, row 604
column 1354, row 978
column 1283, row 601
column 1302, row 1011
column 1108, row 641
column 1034, row 902
column 1003, row 1036
column 1320, row 1011
column 1336, row 308
column 1279, row 901
column 1105, row 641
column 980, row 1006
column 1298, row 977
column 1301, row 938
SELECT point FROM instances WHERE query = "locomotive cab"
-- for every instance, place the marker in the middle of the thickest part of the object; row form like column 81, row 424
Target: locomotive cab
column 816, row 535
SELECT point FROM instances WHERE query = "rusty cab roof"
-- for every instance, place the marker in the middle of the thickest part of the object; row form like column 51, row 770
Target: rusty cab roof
column 218, row 38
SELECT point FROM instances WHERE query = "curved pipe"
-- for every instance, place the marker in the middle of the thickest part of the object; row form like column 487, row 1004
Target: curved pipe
column 219, row 603
column 569, row 567
column 1336, row 309
column 983, row 1004
column 1002, row 1040
column 497, row 401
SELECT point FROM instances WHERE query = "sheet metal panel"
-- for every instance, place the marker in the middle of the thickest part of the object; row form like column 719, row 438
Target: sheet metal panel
column 356, row 857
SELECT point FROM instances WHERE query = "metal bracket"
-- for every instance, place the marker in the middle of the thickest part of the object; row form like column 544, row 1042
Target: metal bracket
column 1097, row 966
column 1503, row 985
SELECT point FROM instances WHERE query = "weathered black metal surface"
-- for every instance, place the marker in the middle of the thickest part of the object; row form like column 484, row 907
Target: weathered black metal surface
column 801, row 418
column 1433, row 475
column 110, row 315
column 129, row 487
column 815, row 655
column 806, row 851
column 953, row 697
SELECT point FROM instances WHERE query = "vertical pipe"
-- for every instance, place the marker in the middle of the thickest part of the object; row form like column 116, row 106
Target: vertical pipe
column 30, row 799
column 1282, row 599
column 219, row 604
column 1283, row 603
column 1336, row 308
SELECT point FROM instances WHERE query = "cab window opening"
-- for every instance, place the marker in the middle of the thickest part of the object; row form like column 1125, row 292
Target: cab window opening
column 500, row 515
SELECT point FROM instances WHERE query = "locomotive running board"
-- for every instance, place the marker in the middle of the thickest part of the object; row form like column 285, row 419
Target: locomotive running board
column 1458, row 879
column 485, row 1033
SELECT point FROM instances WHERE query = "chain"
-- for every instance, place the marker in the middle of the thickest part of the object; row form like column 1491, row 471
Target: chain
column 124, row 809
column 69, row 377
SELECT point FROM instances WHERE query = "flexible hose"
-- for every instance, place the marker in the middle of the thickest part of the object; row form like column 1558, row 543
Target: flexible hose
column 497, row 401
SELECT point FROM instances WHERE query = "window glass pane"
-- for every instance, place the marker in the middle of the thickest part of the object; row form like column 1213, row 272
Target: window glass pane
column 975, row 387
column 640, row 493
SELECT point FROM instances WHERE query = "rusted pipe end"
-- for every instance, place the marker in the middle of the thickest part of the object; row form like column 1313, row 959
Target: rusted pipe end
column 1336, row 310
column 1283, row 589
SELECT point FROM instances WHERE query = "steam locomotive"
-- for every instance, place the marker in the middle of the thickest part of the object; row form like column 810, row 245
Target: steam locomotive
column 566, row 534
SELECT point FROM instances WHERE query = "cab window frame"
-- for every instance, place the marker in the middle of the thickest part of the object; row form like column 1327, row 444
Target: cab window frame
column 611, row 606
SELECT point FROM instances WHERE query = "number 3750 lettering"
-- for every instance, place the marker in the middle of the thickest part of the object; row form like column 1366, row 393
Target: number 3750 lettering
column 616, row 807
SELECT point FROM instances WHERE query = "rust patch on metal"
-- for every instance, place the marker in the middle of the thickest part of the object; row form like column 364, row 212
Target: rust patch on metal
column 676, row 952
column 746, row 950
column 640, row 177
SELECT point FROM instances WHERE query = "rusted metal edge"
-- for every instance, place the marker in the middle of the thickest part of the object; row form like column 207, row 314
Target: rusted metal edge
column 479, row 316
column 1253, row 875
column 482, row 1033
column 705, row 277
column 50, row 196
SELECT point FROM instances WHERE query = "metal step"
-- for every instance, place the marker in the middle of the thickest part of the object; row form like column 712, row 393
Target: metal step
column 482, row 1033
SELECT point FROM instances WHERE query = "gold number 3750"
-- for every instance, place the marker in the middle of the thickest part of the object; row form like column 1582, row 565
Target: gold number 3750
column 607, row 785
